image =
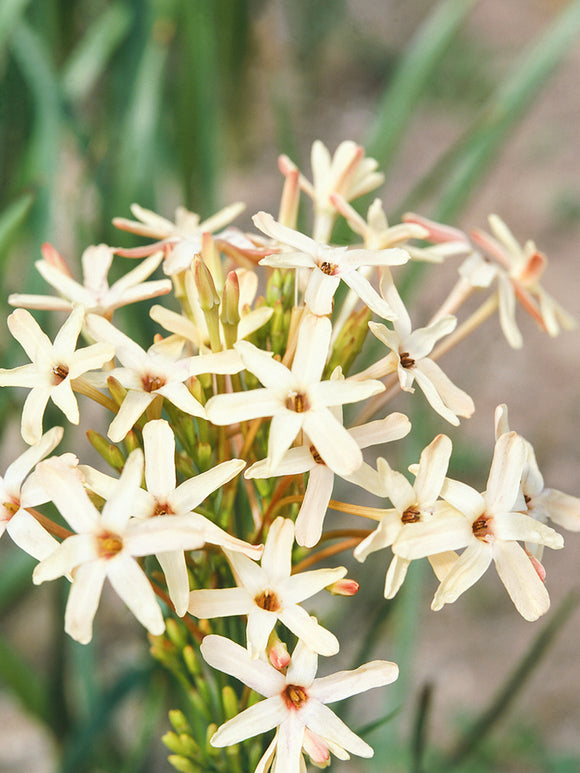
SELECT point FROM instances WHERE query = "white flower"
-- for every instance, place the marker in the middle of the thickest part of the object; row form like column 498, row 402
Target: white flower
column 156, row 372
column 376, row 232
column 520, row 280
column 181, row 239
column 542, row 503
column 269, row 593
column 94, row 294
column 164, row 498
column 52, row 368
column 347, row 173
column 297, row 399
column 408, row 358
column 295, row 703
column 329, row 265
column 489, row 526
column 305, row 458
column 412, row 504
column 19, row 490
column 106, row 545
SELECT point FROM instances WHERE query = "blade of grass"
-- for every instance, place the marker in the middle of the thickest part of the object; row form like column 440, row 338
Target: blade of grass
column 24, row 682
column 10, row 11
column 90, row 57
column 13, row 216
column 496, row 710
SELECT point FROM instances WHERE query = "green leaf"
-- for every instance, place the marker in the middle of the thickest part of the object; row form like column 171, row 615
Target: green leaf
column 15, row 577
column 89, row 59
column 13, row 217
column 10, row 11
column 18, row 675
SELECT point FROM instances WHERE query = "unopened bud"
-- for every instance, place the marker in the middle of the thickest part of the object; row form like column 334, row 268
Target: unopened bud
column 179, row 722
column 110, row 452
column 208, row 297
column 230, row 313
column 344, row 587
column 131, row 441
column 278, row 653
column 350, row 340
column 116, row 390
column 191, row 660
column 230, row 701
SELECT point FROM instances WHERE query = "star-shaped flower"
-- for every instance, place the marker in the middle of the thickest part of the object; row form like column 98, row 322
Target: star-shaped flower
column 412, row 504
column 297, row 399
column 94, row 294
column 19, row 490
column 408, row 358
column 106, row 544
column 158, row 371
column 295, row 703
column 329, row 265
column 164, row 497
column 53, row 368
column 489, row 527
column 305, row 458
column 269, row 593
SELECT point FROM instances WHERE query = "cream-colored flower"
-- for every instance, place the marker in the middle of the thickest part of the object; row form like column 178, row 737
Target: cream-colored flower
column 329, row 265
column 269, row 593
column 412, row 504
column 295, row 704
column 489, row 527
column 94, row 294
column 52, row 369
column 297, row 399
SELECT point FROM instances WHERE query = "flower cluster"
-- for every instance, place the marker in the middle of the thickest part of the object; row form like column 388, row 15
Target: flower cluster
column 227, row 433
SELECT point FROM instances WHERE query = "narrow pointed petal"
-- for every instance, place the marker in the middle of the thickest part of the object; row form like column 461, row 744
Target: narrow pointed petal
column 396, row 487
column 314, row 505
column 229, row 657
column 33, row 412
column 283, row 430
column 178, row 394
column 561, row 508
column 396, row 574
column 72, row 552
column 20, row 467
column 260, row 625
column 177, row 579
column 281, row 233
column 66, row 339
column 189, row 494
column 392, row 427
column 306, row 584
column 27, row 332
column 366, row 292
column 384, row 535
column 219, row 602
column 454, row 398
column 277, row 556
column 339, row 451
column 470, row 566
column 294, row 462
column 67, row 492
column 30, row 536
column 242, row 406
column 63, row 397
column 131, row 409
column 312, row 349
column 83, row 600
column 503, row 483
column 131, row 584
column 118, row 508
column 344, row 684
column 521, row 580
column 159, row 447
column 303, row 665
column 289, row 746
column 316, row 637
column 522, row 527
column 464, row 498
column 448, row 531
column 320, row 291
column 432, row 469
column 259, row 718
column 324, row 721
column 271, row 373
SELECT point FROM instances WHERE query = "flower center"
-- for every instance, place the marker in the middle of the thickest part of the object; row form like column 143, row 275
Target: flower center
column 315, row 455
column 10, row 509
column 297, row 402
column 268, row 600
column 152, row 383
column 481, row 528
column 60, row 372
column 327, row 268
column 411, row 515
column 109, row 545
column 406, row 360
column 295, row 696
column 162, row 508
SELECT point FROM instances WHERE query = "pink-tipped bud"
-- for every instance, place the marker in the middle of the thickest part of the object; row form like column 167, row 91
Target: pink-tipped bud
column 344, row 587
column 278, row 653
column 53, row 257
column 538, row 566
column 230, row 311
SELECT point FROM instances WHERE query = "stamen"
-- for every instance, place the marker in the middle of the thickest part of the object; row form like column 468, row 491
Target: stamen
column 480, row 527
column 152, row 383
column 60, row 372
column 109, row 545
column 315, row 455
column 162, row 508
column 295, row 696
column 268, row 600
column 327, row 268
column 411, row 515
column 297, row 403
column 406, row 360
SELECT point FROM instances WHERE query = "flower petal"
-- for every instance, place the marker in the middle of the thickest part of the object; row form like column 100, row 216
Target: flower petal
column 229, row 657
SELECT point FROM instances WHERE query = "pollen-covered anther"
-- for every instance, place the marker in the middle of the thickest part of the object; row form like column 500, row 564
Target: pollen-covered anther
column 328, row 268
column 295, row 696
column 315, row 455
column 406, row 360
column 481, row 528
column 10, row 509
column 60, row 372
column 109, row 545
column 268, row 600
column 152, row 383
column 162, row 508
column 297, row 402
column 411, row 515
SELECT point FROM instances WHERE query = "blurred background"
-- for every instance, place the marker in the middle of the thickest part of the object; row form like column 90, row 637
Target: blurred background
column 470, row 108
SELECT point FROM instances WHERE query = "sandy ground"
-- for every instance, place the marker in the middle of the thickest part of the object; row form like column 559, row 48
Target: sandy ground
column 470, row 646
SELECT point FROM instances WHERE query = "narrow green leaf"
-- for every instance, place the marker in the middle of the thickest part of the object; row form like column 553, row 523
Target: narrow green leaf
column 24, row 682
column 418, row 741
column 10, row 11
column 13, row 216
column 411, row 76
column 89, row 59
column 499, row 705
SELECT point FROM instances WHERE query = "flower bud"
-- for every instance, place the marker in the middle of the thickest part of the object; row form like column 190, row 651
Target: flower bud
column 344, row 587
column 277, row 652
column 110, row 452
column 208, row 297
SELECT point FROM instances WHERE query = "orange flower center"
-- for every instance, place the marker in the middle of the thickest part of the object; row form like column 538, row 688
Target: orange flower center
column 109, row 545
column 268, row 600
column 315, row 455
column 60, row 372
column 481, row 528
column 152, row 383
column 411, row 515
column 297, row 402
column 295, row 696
column 406, row 360
column 327, row 268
